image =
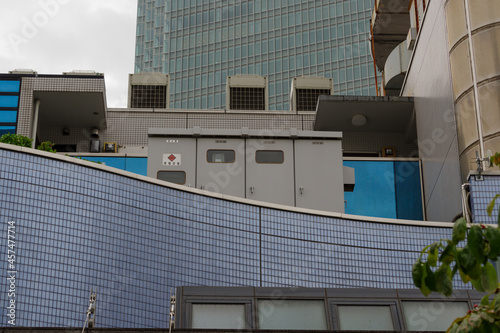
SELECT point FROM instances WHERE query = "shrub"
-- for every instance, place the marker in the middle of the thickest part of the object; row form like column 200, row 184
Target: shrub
column 47, row 146
column 16, row 139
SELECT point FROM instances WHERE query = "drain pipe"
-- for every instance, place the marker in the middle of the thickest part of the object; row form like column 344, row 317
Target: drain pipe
column 35, row 123
column 474, row 80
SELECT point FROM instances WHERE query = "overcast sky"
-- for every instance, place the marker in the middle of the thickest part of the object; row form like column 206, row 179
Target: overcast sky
column 55, row 36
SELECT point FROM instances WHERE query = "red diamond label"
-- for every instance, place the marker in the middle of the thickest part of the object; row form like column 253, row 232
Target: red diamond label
column 171, row 157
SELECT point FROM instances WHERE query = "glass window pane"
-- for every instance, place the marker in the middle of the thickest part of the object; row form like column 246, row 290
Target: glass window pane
column 269, row 156
column 292, row 314
column 432, row 316
column 365, row 318
column 218, row 316
column 220, row 156
column 177, row 177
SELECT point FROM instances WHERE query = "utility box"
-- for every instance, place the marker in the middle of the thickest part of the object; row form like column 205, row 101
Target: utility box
column 305, row 91
column 247, row 92
column 294, row 168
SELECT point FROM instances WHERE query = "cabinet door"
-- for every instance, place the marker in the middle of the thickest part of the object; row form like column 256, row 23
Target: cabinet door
column 319, row 183
column 270, row 171
column 172, row 159
column 221, row 166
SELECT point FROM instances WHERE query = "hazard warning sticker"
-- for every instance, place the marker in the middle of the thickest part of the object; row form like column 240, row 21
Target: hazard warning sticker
column 170, row 159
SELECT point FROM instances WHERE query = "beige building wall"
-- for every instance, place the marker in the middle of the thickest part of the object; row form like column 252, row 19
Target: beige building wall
column 478, row 117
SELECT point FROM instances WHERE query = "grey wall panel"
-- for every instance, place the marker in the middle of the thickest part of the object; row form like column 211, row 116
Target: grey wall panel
column 314, row 160
column 270, row 182
column 429, row 81
column 226, row 178
column 183, row 152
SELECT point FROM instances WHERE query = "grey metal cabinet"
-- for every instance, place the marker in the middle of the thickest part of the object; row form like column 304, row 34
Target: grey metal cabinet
column 174, row 158
column 315, row 161
column 270, row 171
column 221, row 165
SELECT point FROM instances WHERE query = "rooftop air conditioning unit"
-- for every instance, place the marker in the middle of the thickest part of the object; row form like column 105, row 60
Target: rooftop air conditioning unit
column 306, row 90
column 149, row 91
column 247, row 92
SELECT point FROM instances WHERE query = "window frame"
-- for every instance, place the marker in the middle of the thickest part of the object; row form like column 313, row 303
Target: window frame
column 270, row 150
column 184, row 172
column 247, row 302
column 393, row 306
column 221, row 150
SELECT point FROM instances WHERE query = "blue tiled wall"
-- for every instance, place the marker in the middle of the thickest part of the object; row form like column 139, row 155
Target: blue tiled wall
column 79, row 227
column 482, row 192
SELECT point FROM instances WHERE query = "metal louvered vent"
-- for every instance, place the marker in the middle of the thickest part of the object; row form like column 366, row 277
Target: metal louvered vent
column 144, row 96
column 307, row 99
column 245, row 98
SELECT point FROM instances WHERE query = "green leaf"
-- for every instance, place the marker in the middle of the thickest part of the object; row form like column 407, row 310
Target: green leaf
column 475, row 320
column 486, row 317
column 492, row 235
column 459, row 230
column 447, row 255
column 433, row 254
column 476, row 244
column 485, row 300
column 468, row 264
column 489, row 277
column 417, row 273
column 465, row 277
column 430, row 279
column 476, row 283
column 491, row 205
column 443, row 280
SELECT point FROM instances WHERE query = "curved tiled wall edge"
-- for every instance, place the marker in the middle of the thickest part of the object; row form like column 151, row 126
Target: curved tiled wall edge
column 222, row 196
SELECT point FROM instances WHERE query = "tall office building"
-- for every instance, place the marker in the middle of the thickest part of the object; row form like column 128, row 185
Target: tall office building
column 199, row 43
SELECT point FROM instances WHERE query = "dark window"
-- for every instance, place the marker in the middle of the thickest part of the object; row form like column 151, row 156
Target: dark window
column 220, row 156
column 149, row 97
column 269, row 156
column 307, row 99
column 247, row 99
column 65, row 148
column 177, row 177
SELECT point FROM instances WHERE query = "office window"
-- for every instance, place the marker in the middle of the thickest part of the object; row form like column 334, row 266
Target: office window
column 218, row 316
column 177, row 177
column 365, row 318
column 292, row 314
column 432, row 316
column 269, row 156
column 220, row 156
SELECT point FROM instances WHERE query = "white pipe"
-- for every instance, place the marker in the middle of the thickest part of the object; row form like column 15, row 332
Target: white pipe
column 476, row 92
column 35, row 123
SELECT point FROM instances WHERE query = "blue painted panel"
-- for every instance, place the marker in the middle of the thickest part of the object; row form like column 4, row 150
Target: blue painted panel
column 138, row 165
column 133, row 164
column 8, row 116
column 408, row 191
column 374, row 192
column 8, row 101
column 7, row 129
column 10, row 86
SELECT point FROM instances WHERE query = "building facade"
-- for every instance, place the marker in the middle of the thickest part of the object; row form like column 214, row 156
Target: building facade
column 200, row 43
column 80, row 225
